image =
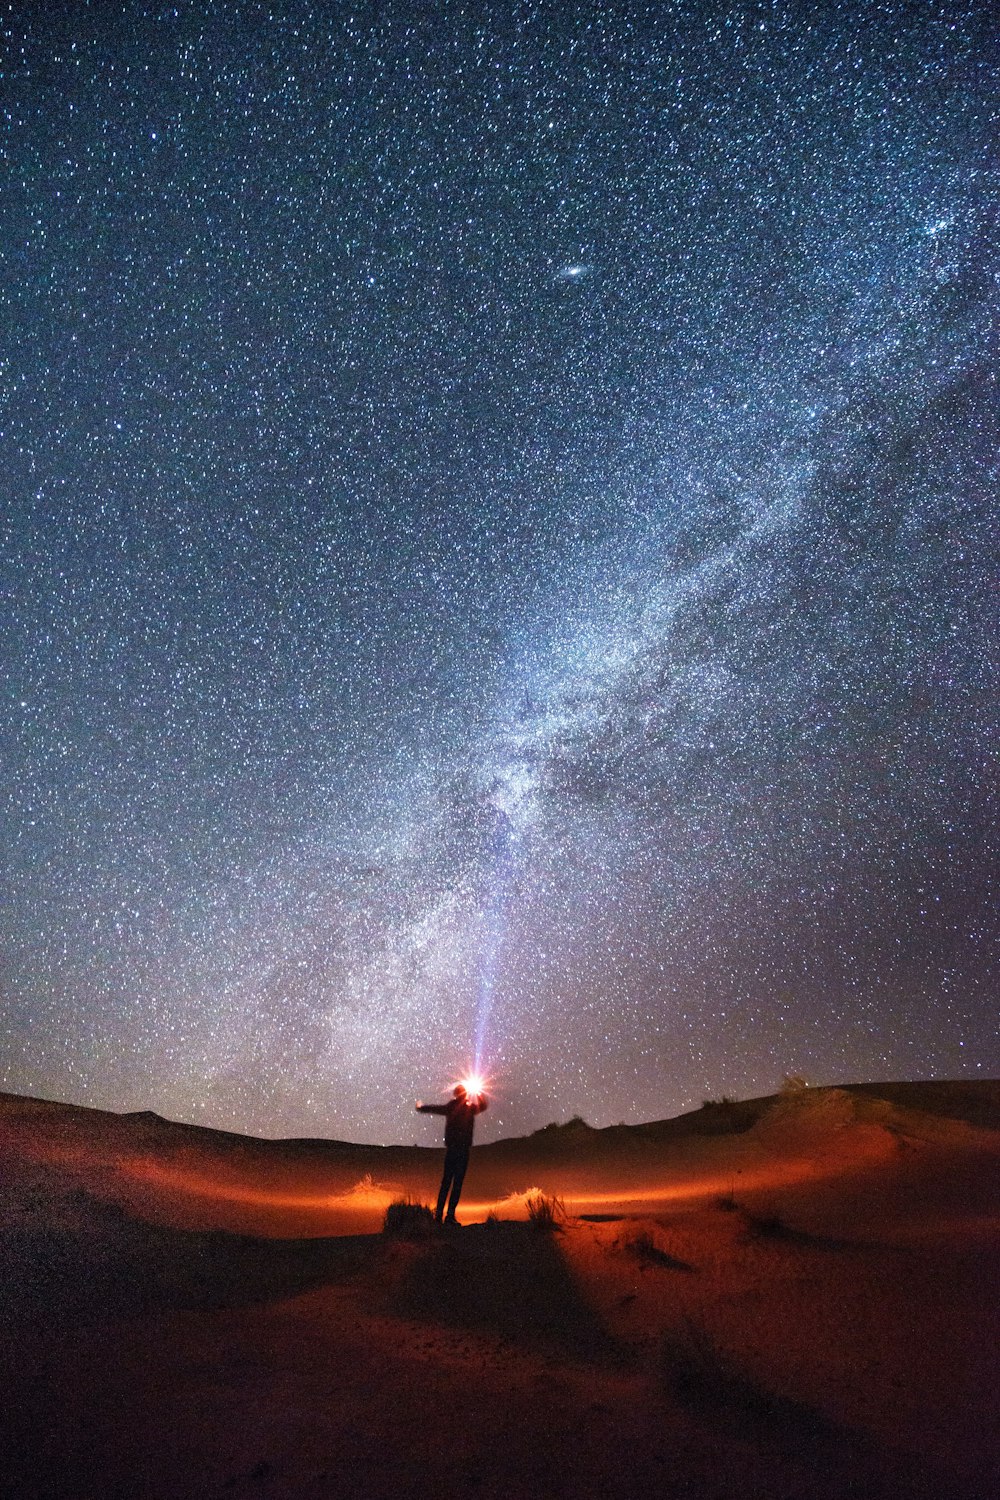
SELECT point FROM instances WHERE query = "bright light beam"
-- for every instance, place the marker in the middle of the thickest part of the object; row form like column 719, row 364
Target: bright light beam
column 495, row 931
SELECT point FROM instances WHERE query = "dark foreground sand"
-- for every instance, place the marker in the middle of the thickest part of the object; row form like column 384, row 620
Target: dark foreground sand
column 790, row 1297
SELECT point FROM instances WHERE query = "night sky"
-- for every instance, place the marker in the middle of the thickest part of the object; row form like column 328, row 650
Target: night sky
column 500, row 548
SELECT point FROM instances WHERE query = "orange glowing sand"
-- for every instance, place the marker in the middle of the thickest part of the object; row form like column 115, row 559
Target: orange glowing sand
column 786, row 1297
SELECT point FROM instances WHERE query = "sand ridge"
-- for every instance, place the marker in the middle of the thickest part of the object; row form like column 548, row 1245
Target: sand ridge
column 783, row 1297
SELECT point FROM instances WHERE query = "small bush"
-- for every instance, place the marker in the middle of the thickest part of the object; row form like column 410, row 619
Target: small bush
column 767, row 1227
column 577, row 1125
column 545, row 1212
column 645, row 1249
column 772, row 1226
column 407, row 1220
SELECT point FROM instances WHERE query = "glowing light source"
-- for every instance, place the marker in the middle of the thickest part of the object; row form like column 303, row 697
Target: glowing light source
column 474, row 1084
column 494, row 927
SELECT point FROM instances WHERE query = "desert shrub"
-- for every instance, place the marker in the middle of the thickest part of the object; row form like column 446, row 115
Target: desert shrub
column 725, row 1116
column 546, row 1212
column 770, row 1226
column 728, row 1202
column 643, row 1246
column 767, row 1226
column 407, row 1220
column 703, row 1377
column 574, row 1126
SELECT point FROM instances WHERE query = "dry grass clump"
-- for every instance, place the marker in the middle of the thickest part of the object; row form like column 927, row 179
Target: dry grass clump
column 545, row 1211
column 769, row 1226
column 408, row 1220
column 725, row 1116
column 575, row 1126
column 644, row 1247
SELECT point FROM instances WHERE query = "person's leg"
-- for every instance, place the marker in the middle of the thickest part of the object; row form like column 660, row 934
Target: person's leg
column 457, row 1178
column 446, row 1180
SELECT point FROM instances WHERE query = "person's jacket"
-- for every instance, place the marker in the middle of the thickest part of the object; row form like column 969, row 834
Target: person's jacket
column 460, row 1119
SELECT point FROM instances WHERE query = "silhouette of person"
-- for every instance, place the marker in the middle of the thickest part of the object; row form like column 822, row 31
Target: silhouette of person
column 460, row 1120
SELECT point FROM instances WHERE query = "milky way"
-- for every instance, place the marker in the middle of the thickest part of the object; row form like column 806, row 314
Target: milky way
column 500, row 535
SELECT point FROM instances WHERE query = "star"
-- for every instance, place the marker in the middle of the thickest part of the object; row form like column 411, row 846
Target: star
column 422, row 662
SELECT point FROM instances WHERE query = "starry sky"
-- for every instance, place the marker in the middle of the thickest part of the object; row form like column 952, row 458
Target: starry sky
column 500, row 541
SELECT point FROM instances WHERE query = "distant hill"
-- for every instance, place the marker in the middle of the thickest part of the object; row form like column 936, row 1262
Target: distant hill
column 974, row 1101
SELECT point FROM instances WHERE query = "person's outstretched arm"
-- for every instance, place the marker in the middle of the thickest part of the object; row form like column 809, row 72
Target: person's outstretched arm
column 432, row 1109
column 482, row 1102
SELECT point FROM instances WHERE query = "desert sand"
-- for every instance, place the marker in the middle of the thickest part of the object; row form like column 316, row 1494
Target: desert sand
column 784, row 1297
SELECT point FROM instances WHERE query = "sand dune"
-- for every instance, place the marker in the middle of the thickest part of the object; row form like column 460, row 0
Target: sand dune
column 784, row 1296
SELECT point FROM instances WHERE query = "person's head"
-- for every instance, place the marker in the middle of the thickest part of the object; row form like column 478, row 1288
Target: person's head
column 460, row 1091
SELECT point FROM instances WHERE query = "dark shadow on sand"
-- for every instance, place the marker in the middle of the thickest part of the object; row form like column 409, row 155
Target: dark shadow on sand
column 726, row 1398
column 509, row 1279
column 76, row 1258
column 643, row 1248
column 769, row 1226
